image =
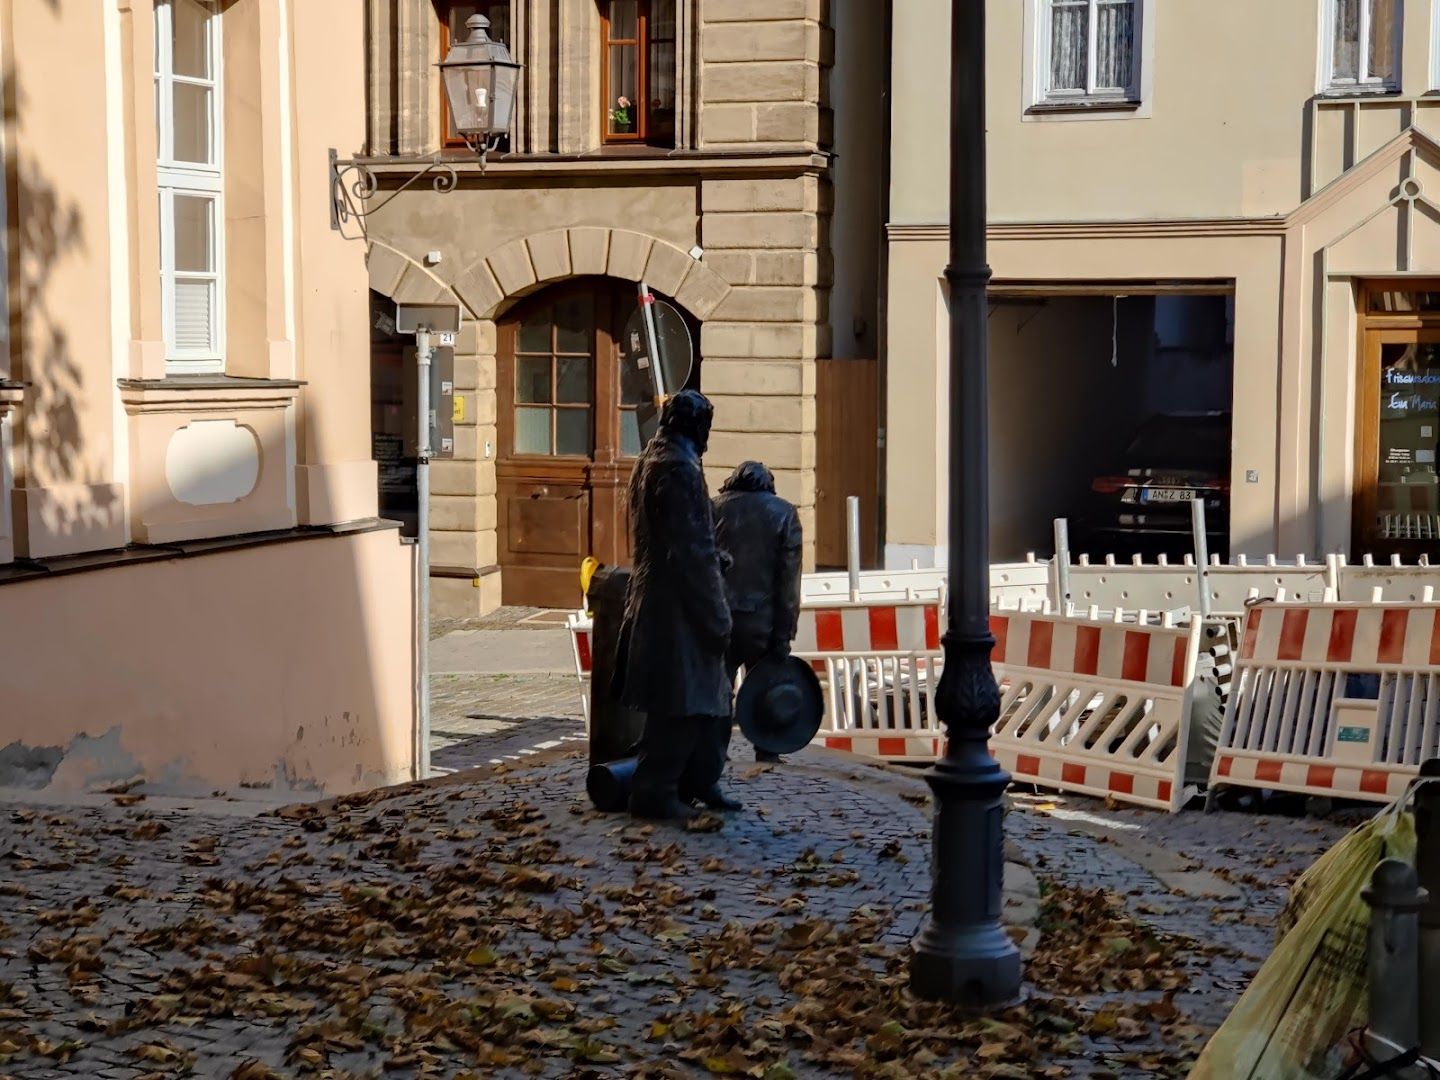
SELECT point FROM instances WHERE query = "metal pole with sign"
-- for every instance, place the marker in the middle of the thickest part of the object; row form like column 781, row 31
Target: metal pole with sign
column 433, row 437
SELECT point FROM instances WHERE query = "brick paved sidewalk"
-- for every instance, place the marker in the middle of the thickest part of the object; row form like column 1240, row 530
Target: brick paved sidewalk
column 494, row 924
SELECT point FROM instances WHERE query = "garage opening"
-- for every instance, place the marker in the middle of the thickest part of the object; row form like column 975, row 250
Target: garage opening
column 1114, row 412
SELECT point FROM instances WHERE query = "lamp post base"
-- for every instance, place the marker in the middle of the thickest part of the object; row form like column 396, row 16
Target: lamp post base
column 964, row 955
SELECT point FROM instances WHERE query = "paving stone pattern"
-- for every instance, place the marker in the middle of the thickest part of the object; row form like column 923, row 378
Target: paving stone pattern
column 116, row 920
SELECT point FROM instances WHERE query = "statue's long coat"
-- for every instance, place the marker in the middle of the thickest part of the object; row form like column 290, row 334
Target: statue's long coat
column 677, row 623
column 761, row 532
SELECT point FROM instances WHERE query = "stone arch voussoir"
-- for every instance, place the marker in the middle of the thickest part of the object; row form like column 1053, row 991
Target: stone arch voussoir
column 491, row 284
column 395, row 275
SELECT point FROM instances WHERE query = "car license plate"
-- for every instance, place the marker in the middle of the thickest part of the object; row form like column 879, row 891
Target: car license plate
column 1167, row 495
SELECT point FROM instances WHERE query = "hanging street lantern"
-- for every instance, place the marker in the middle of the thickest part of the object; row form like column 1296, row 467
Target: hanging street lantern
column 480, row 77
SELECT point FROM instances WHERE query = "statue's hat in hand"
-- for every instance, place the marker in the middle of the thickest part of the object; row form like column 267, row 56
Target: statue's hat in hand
column 780, row 705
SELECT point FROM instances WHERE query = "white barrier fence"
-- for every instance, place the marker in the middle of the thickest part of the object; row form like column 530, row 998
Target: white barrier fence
column 877, row 663
column 1333, row 700
column 1097, row 708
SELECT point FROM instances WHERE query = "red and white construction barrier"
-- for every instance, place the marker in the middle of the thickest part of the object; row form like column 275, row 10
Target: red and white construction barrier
column 877, row 662
column 1095, row 707
column 1333, row 699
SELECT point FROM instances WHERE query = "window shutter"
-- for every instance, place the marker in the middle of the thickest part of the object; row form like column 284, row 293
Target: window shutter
column 193, row 315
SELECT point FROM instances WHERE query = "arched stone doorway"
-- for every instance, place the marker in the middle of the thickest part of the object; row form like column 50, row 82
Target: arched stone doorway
column 569, row 430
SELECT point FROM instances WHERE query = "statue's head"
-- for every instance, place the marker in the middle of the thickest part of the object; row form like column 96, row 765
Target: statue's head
column 750, row 476
column 689, row 413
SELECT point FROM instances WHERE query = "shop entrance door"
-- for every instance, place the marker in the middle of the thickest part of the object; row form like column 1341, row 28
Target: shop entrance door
column 1397, row 492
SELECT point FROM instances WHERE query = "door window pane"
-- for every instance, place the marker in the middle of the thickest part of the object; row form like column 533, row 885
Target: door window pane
column 1406, row 502
column 572, row 380
column 629, row 433
column 192, row 40
column 535, row 334
column 532, row 431
column 194, row 230
column 532, row 379
column 574, row 320
column 572, row 431
column 192, row 124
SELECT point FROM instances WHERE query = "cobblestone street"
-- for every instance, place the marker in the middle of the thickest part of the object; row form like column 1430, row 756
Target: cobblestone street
column 491, row 922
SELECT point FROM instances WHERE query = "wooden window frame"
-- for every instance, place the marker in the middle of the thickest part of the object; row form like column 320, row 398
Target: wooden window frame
column 442, row 16
column 643, row 44
column 194, row 179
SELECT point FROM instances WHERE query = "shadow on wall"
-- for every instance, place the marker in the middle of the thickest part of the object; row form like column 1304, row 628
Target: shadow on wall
column 48, row 231
column 273, row 669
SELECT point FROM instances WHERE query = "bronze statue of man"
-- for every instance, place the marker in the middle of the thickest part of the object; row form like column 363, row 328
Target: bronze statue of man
column 761, row 533
column 677, row 622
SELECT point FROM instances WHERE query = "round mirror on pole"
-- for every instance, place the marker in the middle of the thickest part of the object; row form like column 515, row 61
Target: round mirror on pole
column 645, row 381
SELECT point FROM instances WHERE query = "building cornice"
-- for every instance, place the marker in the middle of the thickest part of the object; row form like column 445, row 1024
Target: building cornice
column 1099, row 230
column 786, row 162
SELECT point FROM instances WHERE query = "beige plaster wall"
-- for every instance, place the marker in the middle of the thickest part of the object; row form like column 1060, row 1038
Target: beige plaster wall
column 67, row 273
column 336, row 480
column 286, row 666
column 1222, row 132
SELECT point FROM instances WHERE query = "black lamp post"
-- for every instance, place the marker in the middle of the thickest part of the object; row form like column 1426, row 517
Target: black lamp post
column 963, row 954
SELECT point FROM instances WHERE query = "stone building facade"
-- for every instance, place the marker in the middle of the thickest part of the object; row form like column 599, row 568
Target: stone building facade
column 725, row 209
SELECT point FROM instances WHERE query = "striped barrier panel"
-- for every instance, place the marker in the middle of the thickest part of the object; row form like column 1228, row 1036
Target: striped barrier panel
column 877, row 662
column 1333, row 699
column 1094, row 707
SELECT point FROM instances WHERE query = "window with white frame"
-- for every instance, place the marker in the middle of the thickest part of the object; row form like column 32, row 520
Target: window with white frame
column 1090, row 51
column 187, row 104
column 1361, row 46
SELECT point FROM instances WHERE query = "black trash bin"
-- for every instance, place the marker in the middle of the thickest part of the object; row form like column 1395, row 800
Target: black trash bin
column 614, row 729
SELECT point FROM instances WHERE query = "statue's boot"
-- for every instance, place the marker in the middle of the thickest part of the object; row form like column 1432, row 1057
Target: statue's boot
column 660, row 806
column 714, row 798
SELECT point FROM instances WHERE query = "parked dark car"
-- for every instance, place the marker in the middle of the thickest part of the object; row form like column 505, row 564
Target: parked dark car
column 1142, row 505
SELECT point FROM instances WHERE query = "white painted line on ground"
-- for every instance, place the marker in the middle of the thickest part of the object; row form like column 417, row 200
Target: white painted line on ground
column 1093, row 819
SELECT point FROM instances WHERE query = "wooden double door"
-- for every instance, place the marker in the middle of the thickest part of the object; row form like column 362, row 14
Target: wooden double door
column 572, row 418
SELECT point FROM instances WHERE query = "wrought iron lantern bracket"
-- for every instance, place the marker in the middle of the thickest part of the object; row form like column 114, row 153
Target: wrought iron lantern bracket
column 354, row 184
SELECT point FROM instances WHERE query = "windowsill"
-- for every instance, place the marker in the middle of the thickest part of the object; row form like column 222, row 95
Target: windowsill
column 181, row 393
column 1090, row 106
column 209, row 382
column 1343, row 93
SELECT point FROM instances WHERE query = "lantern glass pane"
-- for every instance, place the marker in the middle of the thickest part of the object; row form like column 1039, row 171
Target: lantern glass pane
column 471, row 94
column 503, row 106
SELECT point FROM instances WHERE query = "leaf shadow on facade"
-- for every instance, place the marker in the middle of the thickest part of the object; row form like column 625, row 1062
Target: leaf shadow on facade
column 47, row 232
